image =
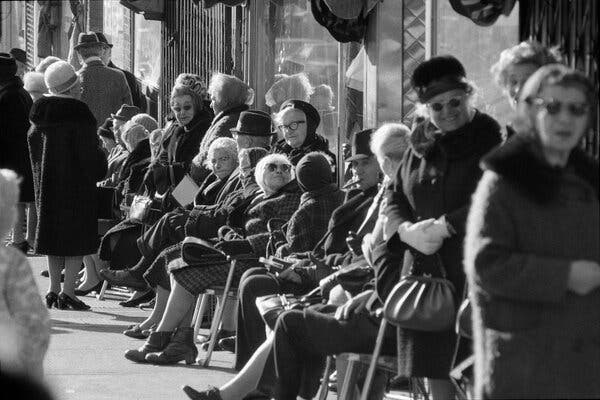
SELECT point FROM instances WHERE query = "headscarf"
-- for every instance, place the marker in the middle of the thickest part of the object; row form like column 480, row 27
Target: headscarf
column 312, row 117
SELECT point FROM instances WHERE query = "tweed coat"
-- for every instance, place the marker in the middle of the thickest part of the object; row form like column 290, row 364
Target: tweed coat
column 104, row 89
column 15, row 105
column 533, row 338
column 67, row 161
column 437, row 176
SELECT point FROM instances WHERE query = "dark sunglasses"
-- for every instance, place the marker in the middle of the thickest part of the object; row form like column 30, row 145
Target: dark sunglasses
column 554, row 106
column 272, row 167
column 292, row 126
column 452, row 103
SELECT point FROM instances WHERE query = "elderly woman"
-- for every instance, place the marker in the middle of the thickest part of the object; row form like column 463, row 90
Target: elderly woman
column 229, row 97
column 532, row 249
column 67, row 161
column 297, row 120
column 24, row 322
column 515, row 66
column 279, row 199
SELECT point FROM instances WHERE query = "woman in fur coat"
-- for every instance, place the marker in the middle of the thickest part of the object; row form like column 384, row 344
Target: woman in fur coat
column 533, row 249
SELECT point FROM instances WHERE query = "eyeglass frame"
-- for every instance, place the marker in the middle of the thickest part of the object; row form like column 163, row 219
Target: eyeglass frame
column 290, row 126
column 454, row 102
column 273, row 166
column 570, row 106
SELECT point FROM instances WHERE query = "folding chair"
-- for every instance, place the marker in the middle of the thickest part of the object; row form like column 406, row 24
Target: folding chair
column 104, row 225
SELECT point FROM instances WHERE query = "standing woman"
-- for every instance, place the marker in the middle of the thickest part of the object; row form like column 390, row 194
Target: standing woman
column 430, row 201
column 67, row 161
column 533, row 248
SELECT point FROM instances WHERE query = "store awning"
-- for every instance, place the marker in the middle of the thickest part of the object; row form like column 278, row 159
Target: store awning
column 151, row 9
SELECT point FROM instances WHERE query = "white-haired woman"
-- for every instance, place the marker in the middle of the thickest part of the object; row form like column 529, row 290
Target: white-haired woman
column 173, row 340
column 532, row 249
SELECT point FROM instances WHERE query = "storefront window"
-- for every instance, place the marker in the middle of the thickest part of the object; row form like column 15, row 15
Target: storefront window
column 147, row 42
column 117, row 30
column 478, row 48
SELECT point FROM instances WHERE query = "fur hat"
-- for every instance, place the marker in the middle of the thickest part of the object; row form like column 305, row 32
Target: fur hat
column 60, row 77
column 438, row 75
column 8, row 66
column 194, row 82
column 45, row 63
column 34, row 82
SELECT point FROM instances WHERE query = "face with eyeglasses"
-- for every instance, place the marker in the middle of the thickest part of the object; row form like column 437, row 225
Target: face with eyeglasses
column 276, row 174
column 516, row 76
column 449, row 110
column 561, row 117
column 183, row 108
column 292, row 124
column 221, row 162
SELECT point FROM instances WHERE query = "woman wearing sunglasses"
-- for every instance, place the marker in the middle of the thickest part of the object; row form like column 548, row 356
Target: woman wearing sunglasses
column 533, row 247
column 430, row 199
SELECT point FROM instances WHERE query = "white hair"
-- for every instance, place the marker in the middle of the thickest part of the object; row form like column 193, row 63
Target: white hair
column 390, row 140
column 226, row 144
column 133, row 133
column 259, row 171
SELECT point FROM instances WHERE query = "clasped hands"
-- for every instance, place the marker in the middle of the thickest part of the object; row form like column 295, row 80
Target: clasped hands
column 426, row 236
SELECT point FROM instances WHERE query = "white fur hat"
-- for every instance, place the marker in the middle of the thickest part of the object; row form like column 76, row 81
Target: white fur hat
column 60, row 77
column 34, row 82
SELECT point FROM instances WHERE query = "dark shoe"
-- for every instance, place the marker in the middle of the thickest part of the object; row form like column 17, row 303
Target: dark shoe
column 211, row 394
column 220, row 335
column 143, row 298
column 95, row 288
column 157, row 341
column 136, row 332
column 51, row 300
column 147, row 332
column 149, row 305
column 123, row 278
column 180, row 348
column 65, row 301
column 227, row 344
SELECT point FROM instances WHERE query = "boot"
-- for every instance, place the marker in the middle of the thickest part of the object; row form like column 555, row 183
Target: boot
column 181, row 347
column 157, row 341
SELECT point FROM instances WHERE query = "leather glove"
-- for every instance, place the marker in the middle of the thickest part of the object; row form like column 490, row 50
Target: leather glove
column 235, row 247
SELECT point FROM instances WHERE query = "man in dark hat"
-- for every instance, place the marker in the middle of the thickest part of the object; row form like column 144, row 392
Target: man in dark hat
column 104, row 89
column 15, row 104
column 138, row 98
column 21, row 57
column 254, row 129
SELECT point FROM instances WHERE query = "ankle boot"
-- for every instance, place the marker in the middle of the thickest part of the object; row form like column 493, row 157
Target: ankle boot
column 181, row 347
column 157, row 341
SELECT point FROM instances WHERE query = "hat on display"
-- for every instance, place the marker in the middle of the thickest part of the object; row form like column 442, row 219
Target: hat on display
column 361, row 145
column 125, row 112
column 60, row 77
column 33, row 82
column 350, row 9
column 45, row 63
column 438, row 75
column 8, row 65
column 253, row 123
column 87, row 39
column 19, row 54
column 102, row 38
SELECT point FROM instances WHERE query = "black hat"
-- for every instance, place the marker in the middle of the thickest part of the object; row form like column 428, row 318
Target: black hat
column 312, row 115
column 126, row 112
column 253, row 123
column 105, row 130
column 438, row 75
column 103, row 39
column 19, row 54
column 8, row 66
column 88, row 39
column 361, row 145
column 313, row 172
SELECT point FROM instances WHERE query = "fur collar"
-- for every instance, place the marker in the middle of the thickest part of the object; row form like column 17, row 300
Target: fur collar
column 54, row 110
column 519, row 161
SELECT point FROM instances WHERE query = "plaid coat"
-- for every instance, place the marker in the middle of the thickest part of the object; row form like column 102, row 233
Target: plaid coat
column 282, row 204
column 309, row 223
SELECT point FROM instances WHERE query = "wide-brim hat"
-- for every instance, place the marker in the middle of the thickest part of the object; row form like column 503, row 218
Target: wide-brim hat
column 87, row 39
column 102, row 38
column 19, row 54
column 125, row 112
column 254, row 123
column 60, row 77
column 361, row 145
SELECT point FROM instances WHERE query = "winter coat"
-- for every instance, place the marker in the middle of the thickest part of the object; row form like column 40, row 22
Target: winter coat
column 533, row 338
column 137, row 97
column 15, row 105
column 104, row 89
column 134, row 168
column 437, row 176
column 312, row 142
column 67, row 161
column 179, row 146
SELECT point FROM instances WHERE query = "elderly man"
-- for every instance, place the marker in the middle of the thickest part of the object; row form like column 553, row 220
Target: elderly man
column 104, row 89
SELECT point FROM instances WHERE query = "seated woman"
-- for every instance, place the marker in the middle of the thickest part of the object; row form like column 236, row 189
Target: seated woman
column 279, row 199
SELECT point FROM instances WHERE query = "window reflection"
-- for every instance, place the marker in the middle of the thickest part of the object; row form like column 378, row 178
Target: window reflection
column 147, row 42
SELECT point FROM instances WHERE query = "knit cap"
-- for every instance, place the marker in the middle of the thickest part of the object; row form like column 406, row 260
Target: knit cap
column 313, row 172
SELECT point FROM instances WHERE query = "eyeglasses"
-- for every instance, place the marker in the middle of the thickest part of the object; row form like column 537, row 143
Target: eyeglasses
column 452, row 103
column 272, row 167
column 554, row 106
column 292, row 126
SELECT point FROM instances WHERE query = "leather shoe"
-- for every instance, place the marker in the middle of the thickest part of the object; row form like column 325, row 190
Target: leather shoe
column 84, row 292
column 123, row 278
column 211, row 394
column 143, row 298
column 227, row 344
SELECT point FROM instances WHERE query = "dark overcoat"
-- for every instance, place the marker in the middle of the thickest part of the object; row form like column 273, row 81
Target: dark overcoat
column 137, row 97
column 313, row 142
column 437, row 176
column 15, row 105
column 533, row 338
column 67, row 161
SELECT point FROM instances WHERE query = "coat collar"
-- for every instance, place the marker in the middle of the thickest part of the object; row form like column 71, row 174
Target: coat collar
column 229, row 111
column 15, row 81
column 520, row 162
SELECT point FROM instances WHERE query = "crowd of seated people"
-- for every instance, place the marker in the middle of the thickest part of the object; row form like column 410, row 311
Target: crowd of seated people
column 266, row 187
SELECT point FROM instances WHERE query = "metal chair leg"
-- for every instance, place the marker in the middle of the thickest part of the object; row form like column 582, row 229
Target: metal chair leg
column 199, row 313
column 100, row 296
column 373, row 363
column 349, row 380
column 324, row 388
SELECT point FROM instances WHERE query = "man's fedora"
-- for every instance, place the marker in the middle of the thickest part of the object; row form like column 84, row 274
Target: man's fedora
column 361, row 145
column 87, row 39
column 102, row 38
column 126, row 112
column 254, row 123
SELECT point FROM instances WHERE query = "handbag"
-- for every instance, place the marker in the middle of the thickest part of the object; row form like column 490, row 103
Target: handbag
column 354, row 278
column 422, row 302
column 271, row 306
column 140, row 208
column 199, row 252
